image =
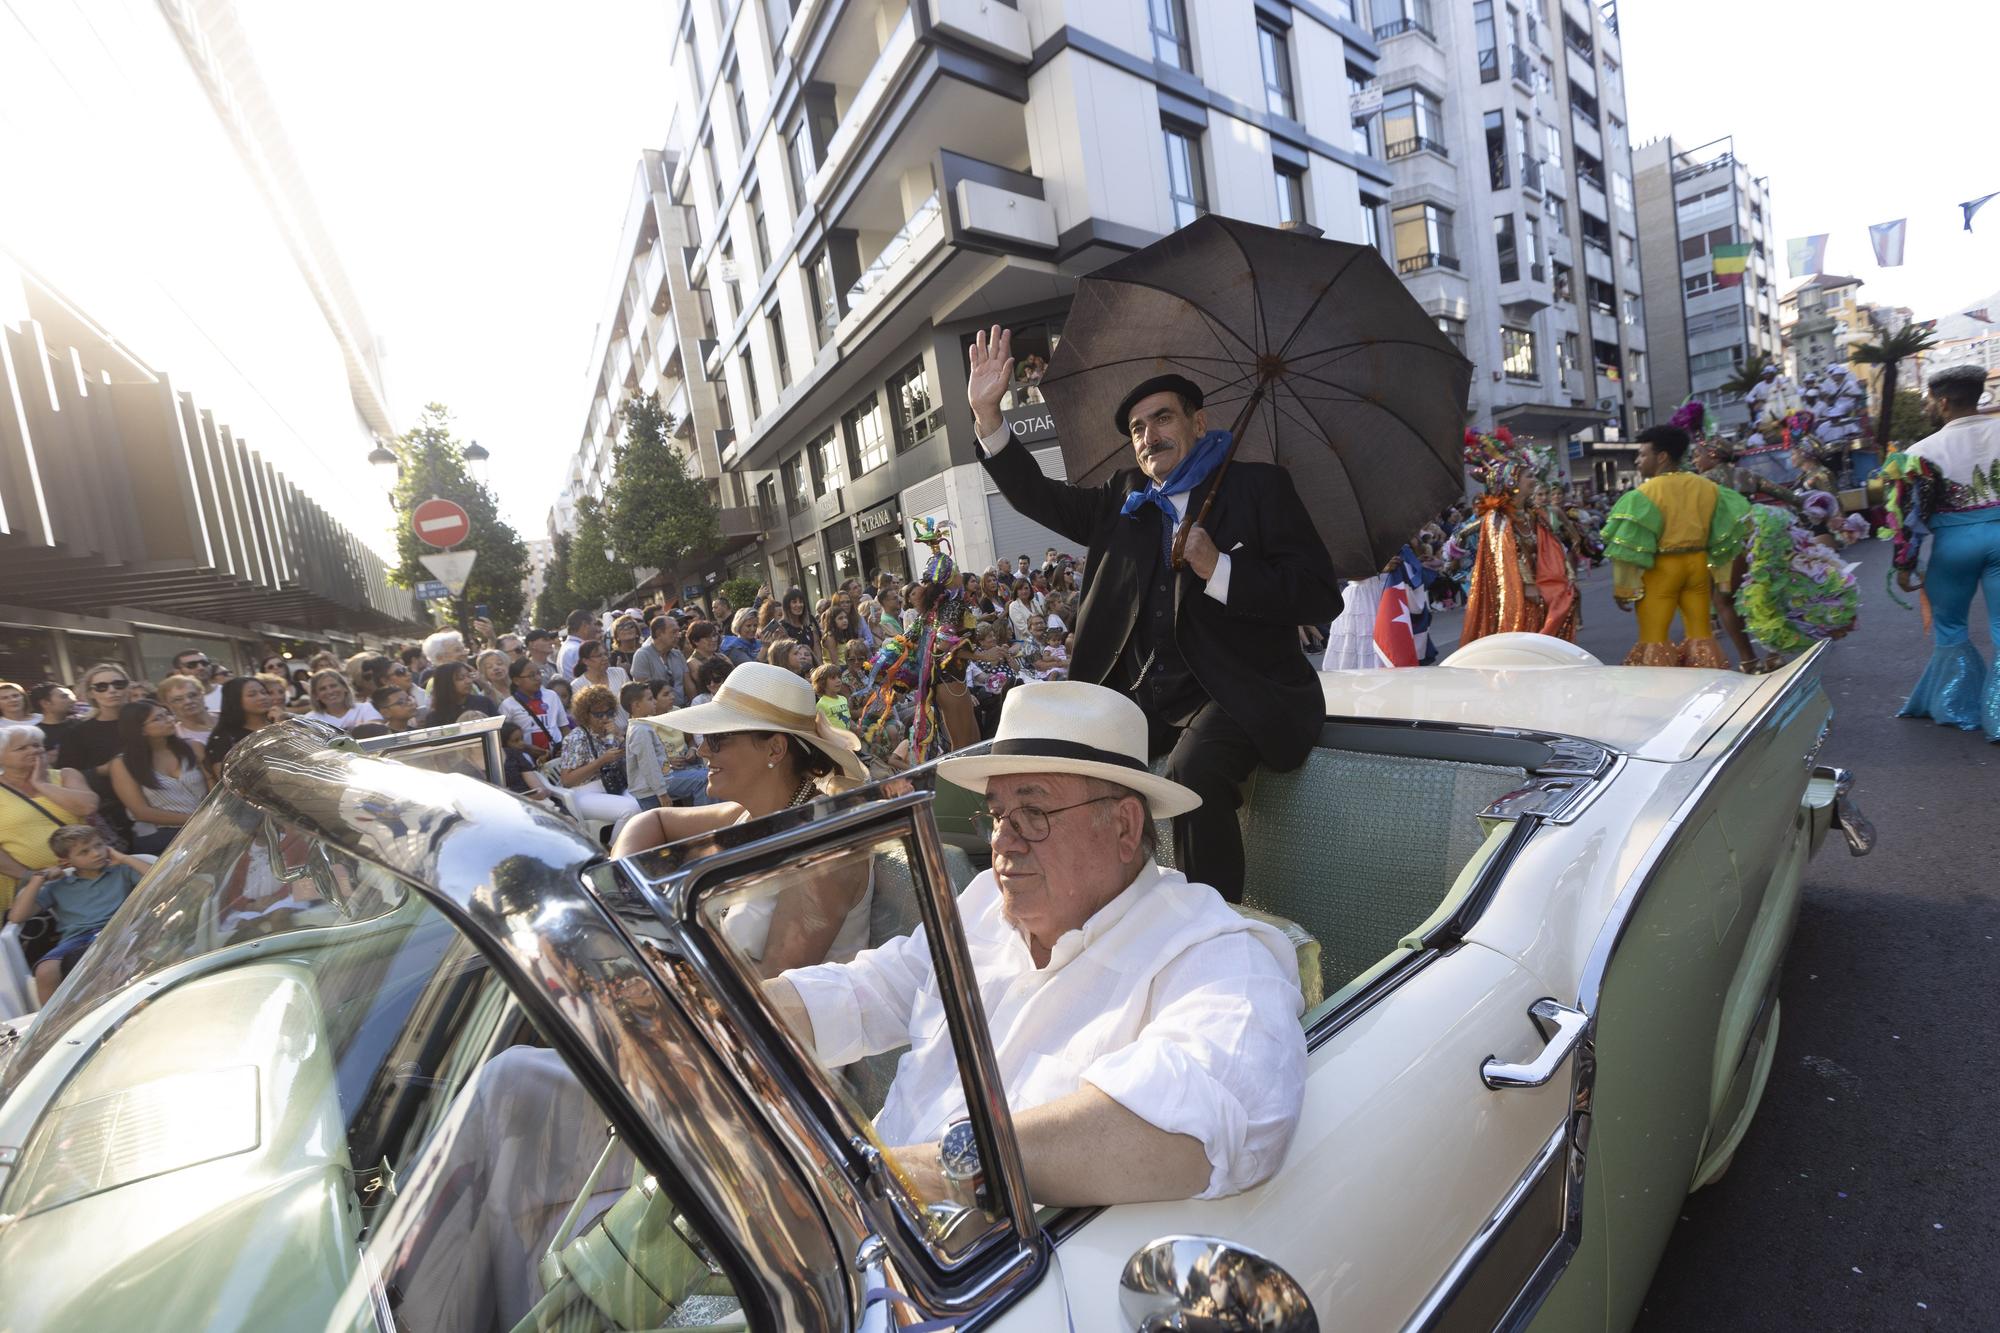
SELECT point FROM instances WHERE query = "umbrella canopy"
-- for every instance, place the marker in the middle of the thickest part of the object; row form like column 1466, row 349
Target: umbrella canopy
column 1358, row 393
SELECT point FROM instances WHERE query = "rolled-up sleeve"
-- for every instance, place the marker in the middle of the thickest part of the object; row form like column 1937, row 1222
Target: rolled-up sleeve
column 1222, row 1060
column 862, row 1007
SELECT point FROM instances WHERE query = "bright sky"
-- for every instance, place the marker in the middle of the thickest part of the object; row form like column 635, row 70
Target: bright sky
column 472, row 162
column 1858, row 111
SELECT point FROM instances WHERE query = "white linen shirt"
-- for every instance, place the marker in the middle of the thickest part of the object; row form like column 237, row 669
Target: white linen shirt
column 1166, row 1000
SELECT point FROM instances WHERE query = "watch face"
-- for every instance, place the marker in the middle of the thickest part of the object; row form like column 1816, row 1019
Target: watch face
column 958, row 1151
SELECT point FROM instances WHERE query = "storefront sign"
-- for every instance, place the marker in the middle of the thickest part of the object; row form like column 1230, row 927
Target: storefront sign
column 872, row 521
column 1031, row 422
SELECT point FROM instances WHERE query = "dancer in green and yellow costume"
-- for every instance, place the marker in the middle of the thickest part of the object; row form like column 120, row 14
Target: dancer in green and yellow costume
column 1670, row 540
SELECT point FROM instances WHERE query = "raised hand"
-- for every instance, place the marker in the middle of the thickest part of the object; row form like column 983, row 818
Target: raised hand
column 992, row 362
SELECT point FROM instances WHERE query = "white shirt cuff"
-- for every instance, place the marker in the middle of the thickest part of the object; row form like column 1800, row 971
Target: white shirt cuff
column 997, row 441
column 1218, row 582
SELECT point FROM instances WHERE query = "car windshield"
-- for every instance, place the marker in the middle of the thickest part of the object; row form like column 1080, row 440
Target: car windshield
column 290, row 1056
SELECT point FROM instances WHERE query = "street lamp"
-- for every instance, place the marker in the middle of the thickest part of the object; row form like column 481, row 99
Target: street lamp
column 476, row 455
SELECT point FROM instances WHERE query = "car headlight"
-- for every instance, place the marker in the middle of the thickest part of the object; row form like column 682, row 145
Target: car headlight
column 86, row 1147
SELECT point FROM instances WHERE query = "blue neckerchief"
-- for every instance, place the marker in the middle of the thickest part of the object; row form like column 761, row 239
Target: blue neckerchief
column 1190, row 472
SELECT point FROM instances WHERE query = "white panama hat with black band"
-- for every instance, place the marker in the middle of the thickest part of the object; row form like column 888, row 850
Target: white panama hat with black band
column 1068, row 726
column 761, row 697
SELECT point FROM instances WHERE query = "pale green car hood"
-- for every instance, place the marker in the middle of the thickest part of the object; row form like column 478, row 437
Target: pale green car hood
column 1656, row 713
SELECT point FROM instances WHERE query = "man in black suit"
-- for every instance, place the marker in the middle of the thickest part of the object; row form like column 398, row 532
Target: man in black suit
column 1210, row 651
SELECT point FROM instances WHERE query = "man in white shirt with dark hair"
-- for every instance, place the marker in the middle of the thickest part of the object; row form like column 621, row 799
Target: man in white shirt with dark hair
column 1148, row 1035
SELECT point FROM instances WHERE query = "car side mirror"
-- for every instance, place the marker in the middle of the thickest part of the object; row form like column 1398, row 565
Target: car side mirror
column 1204, row 1285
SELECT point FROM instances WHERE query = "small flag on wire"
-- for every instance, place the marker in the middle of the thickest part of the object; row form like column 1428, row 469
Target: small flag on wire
column 1729, row 263
column 1403, row 618
column 1887, row 238
column 1972, row 206
column 1806, row 255
column 1980, row 315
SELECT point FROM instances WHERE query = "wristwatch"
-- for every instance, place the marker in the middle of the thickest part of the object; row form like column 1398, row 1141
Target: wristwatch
column 958, row 1160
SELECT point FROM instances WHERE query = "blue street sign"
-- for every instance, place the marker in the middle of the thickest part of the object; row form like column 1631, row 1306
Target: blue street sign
column 430, row 590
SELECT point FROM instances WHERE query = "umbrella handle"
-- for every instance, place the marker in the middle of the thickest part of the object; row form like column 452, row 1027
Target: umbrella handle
column 1179, row 555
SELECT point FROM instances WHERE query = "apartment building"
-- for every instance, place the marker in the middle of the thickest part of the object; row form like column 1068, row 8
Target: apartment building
column 1818, row 320
column 189, row 387
column 1692, row 200
column 1511, row 213
column 850, row 188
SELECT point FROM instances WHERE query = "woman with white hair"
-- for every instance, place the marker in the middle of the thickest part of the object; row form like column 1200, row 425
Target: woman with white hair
column 447, row 645
column 35, row 801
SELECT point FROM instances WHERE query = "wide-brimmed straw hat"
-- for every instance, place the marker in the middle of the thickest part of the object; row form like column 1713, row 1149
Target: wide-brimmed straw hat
column 1068, row 726
column 760, row 697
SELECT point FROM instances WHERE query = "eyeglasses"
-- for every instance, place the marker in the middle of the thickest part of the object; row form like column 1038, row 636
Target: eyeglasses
column 714, row 742
column 196, row 662
column 1030, row 823
column 600, row 712
column 106, row 686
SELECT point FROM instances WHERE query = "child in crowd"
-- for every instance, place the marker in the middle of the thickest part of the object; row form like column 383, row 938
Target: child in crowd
column 85, row 891
column 832, row 694
column 658, row 771
column 523, row 777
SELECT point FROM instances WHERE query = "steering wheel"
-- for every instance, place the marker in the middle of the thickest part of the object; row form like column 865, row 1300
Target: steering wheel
column 627, row 1269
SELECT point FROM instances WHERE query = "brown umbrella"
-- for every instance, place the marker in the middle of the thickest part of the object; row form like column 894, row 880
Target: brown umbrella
column 1311, row 352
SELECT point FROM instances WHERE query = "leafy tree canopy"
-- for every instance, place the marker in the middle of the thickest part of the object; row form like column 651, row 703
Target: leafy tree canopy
column 431, row 462
column 1908, row 422
column 655, row 513
column 556, row 601
column 593, row 578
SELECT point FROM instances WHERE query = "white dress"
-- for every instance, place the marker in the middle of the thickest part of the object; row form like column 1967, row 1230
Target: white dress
column 1350, row 643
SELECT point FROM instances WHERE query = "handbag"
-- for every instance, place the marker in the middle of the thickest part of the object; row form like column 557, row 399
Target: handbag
column 611, row 775
column 38, row 932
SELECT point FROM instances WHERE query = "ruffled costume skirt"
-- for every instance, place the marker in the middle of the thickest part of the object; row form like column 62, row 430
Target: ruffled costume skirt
column 1957, row 689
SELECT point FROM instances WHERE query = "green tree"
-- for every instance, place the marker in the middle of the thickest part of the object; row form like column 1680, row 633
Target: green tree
column 430, row 461
column 1908, row 422
column 741, row 592
column 593, row 578
column 556, row 601
column 1889, row 352
column 1747, row 374
column 654, row 512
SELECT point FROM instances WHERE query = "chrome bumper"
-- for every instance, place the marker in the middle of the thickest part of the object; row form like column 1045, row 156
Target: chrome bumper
column 1847, row 816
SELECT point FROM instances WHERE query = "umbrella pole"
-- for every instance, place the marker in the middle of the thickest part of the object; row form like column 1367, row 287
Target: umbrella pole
column 1235, row 434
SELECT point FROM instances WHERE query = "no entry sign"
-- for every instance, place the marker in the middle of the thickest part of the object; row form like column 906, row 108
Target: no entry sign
column 442, row 523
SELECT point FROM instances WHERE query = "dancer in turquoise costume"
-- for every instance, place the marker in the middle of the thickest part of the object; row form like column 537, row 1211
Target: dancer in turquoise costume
column 1949, row 483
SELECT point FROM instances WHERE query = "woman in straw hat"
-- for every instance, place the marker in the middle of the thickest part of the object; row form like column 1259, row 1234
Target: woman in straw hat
column 768, row 748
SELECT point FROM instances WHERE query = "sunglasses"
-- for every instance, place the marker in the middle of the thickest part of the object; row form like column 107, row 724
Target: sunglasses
column 196, row 662
column 106, row 686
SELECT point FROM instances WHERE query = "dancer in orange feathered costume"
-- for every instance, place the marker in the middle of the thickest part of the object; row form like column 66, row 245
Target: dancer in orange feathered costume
column 1523, row 574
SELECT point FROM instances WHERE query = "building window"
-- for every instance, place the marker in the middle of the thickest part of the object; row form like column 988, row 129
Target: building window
column 1371, row 223
column 1364, row 126
column 1505, row 248
column 767, row 501
column 1565, row 290
column 1170, row 33
column 759, row 232
column 708, row 162
column 1621, row 189
column 1570, row 353
column 780, row 357
column 730, row 291
column 1291, row 194
column 1632, row 313
column 1704, row 363
column 778, row 14
column 1486, row 38
column 1531, row 170
column 1496, row 149
column 1697, row 285
column 917, row 413
column 1453, row 329
column 725, row 416
column 1631, row 249
column 1517, row 353
column 825, row 456
column 1552, row 148
column 1186, row 186
column 867, row 437
column 1412, row 120
column 825, row 299
column 1531, row 245
column 1274, row 46
column 1393, row 17
column 799, row 164
column 750, row 394
column 1423, row 237
column 798, row 487
column 1558, row 213
column 733, row 83
column 1635, row 364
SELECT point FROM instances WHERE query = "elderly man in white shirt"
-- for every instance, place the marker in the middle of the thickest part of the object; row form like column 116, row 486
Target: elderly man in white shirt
column 1148, row 1036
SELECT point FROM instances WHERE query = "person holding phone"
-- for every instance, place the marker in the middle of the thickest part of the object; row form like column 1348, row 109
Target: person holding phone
column 35, row 801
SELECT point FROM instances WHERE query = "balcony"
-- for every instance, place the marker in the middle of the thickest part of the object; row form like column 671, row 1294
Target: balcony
column 653, row 282
column 740, row 522
column 883, row 75
column 1531, row 174
column 621, row 364
column 922, row 233
column 1585, row 135
column 1596, row 262
column 999, row 30
column 996, row 211
column 1415, row 143
column 1400, row 27
column 1582, row 73
column 1521, row 68
column 1590, row 198
column 1434, row 259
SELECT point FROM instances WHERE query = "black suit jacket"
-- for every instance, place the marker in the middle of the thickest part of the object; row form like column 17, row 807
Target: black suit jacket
column 1245, row 653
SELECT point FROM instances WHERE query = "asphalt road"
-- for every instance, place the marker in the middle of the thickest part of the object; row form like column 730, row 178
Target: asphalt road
column 1867, row 1192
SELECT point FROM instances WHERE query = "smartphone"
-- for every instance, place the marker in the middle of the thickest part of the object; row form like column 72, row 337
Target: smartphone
column 481, row 612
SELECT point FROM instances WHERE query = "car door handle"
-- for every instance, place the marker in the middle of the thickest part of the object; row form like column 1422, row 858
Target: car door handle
column 1562, row 1025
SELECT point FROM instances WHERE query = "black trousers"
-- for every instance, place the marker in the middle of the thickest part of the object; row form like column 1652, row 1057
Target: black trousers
column 1212, row 755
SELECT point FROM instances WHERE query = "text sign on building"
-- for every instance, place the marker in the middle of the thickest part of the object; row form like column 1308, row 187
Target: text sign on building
column 1364, row 101
column 875, row 520
column 440, row 523
column 1030, row 422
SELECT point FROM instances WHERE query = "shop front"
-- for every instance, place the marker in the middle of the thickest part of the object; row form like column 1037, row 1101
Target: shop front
column 884, row 548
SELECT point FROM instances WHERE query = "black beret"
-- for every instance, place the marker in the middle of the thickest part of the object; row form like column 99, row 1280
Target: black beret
column 1189, row 391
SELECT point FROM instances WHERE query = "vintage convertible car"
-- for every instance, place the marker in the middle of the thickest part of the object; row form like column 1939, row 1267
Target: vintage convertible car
column 378, row 1046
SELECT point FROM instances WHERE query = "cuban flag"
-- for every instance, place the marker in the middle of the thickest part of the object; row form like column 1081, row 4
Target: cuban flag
column 1887, row 238
column 1403, row 619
